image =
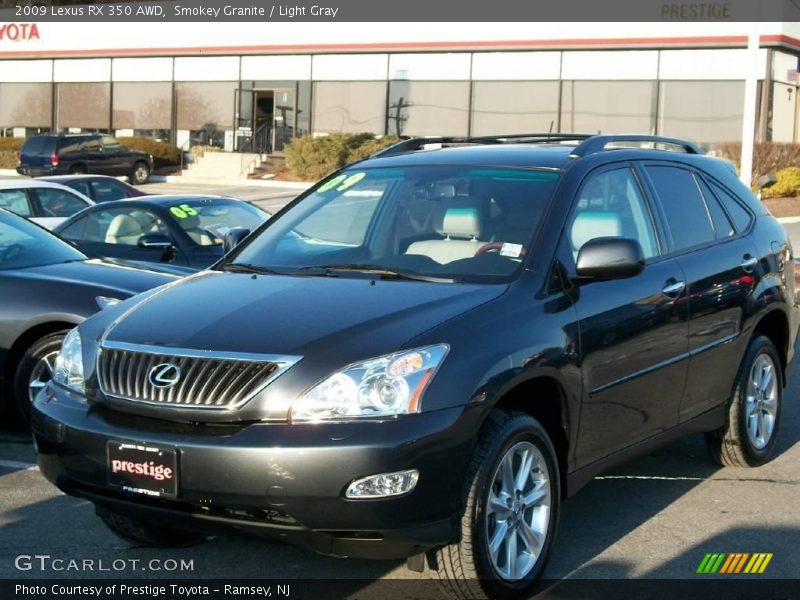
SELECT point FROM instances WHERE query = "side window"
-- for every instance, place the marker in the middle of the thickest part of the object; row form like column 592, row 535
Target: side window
column 741, row 216
column 16, row 201
column 110, row 144
column 58, row 203
column 91, row 144
column 68, row 145
column 122, row 226
column 75, row 231
column 611, row 204
column 688, row 218
column 722, row 224
column 82, row 186
column 106, row 190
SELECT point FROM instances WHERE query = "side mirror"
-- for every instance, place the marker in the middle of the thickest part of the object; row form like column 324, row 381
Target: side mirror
column 233, row 238
column 606, row 258
column 154, row 241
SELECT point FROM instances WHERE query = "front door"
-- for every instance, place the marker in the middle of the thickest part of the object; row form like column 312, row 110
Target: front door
column 633, row 332
column 283, row 119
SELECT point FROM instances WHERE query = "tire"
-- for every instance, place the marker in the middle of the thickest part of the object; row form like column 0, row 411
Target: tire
column 466, row 568
column 34, row 370
column 77, row 170
column 141, row 533
column 140, row 174
column 738, row 443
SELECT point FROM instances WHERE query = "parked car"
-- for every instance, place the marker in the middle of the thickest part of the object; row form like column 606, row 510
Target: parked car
column 181, row 230
column 48, row 287
column 429, row 350
column 79, row 153
column 43, row 202
column 100, row 188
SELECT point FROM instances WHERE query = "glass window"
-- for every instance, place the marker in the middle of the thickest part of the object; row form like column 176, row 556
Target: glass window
column 106, row 190
column 205, row 109
column 83, row 106
column 608, row 106
column 739, row 214
column 703, row 111
column 428, row 108
column 58, row 203
column 445, row 222
column 142, row 105
column 16, row 201
column 611, row 204
column 74, row 231
column 688, row 218
column 32, row 246
column 722, row 224
column 110, row 144
column 121, row 226
column 206, row 221
column 79, row 185
column 74, row 143
column 349, row 106
column 513, row 106
column 27, row 105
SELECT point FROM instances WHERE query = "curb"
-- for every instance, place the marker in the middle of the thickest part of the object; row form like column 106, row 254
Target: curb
column 789, row 219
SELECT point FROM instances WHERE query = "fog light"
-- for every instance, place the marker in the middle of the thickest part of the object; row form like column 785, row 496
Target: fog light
column 383, row 485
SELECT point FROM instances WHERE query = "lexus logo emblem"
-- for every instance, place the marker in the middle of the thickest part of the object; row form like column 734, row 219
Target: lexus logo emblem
column 164, row 375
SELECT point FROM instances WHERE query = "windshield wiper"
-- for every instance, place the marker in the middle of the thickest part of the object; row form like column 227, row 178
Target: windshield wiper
column 330, row 270
column 250, row 268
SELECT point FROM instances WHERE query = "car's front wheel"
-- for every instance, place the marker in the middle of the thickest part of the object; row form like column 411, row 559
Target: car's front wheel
column 35, row 369
column 511, row 505
column 748, row 437
column 147, row 534
column 140, row 174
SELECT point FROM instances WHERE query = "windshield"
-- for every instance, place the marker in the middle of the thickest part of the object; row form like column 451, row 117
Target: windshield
column 207, row 220
column 455, row 223
column 23, row 244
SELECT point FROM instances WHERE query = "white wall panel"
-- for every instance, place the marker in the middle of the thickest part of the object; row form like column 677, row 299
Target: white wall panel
column 708, row 64
column 350, row 67
column 141, row 69
column 82, row 69
column 516, row 65
column 429, row 66
column 611, row 65
column 207, row 68
column 34, row 71
column 276, row 67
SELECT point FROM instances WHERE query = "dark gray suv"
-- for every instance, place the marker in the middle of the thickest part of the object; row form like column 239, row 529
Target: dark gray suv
column 424, row 354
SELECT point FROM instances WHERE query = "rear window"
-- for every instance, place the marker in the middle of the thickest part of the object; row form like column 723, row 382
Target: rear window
column 38, row 144
column 74, row 143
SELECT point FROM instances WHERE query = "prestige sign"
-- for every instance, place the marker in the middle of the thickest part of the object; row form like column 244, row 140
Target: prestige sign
column 18, row 32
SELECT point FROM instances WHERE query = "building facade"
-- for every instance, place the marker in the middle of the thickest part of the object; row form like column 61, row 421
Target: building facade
column 252, row 87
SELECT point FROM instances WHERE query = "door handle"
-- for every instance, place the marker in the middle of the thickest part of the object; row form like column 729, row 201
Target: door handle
column 673, row 288
column 749, row 262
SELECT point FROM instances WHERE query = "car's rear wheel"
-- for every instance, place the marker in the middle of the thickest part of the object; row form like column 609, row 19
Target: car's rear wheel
column 77, row 170
column 748, row 437
column 35, row 370
column 511, row 505
column 140, row 173
column 142, row 533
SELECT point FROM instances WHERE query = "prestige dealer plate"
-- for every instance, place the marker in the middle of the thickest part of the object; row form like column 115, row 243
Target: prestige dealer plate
column 143, row 469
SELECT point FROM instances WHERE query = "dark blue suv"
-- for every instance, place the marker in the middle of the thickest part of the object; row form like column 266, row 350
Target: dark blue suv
column 424, row 354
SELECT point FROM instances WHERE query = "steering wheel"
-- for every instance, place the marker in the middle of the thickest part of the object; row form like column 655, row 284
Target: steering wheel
column 495, row 248
column 11, row 252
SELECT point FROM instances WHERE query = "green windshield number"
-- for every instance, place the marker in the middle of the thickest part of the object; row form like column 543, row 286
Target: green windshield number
column 184, row 211
column 351, row 181
column 332, row 183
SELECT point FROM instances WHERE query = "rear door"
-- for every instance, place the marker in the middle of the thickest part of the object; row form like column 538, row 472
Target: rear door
column 53, row 206
column 721, row 272
column 633, row 332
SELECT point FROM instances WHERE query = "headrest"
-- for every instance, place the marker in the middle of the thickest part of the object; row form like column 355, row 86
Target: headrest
column 589, row 225
column 122, row 226
column 460, row 220
column 145, row 219
column 443, row 190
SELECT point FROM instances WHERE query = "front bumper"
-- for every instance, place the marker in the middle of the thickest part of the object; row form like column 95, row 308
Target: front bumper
column 276, row 480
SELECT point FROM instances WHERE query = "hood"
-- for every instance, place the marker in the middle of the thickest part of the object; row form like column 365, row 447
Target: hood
column 115, row 280
column 338, row 317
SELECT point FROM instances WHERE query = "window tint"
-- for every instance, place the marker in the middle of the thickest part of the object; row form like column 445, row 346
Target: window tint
column 110, row 144
column 74, row 231
column 722, row 224
column 687, row 217
column 121, row 226
column 106, row 190
column 741, row 217
column 72, row 143
column 16, row 201
column 58, row 203
column 80, row 185
column 611, row 204
column 39, row 144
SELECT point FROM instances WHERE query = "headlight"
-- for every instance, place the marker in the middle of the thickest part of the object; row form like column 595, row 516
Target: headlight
column 69, row 363
column 380, row 387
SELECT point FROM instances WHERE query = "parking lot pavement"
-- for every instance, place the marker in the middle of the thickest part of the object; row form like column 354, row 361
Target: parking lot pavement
column 654, row 518
column 268, row 197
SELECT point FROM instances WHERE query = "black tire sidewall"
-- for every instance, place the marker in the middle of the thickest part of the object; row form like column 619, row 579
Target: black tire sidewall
column 77, row 170
column 761, row 345
column 520, row 430
column 29, row 360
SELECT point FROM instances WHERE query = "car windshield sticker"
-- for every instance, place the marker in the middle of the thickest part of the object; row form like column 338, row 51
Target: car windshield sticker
column 332, row 183
column 184, row 211
column 351, row 181
column 511, row 250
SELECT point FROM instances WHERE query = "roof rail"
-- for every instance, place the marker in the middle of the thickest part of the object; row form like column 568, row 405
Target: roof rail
column 598, row 143
column 418, row 143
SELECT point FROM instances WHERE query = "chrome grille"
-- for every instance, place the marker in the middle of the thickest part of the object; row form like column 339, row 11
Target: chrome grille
column 207, row 379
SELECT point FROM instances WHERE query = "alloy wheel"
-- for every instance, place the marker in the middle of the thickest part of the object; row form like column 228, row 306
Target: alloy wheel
column 761, row 401
column 42, row 373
